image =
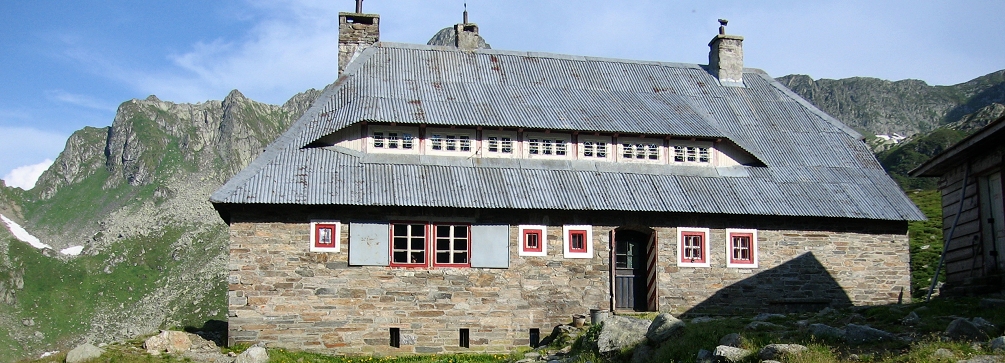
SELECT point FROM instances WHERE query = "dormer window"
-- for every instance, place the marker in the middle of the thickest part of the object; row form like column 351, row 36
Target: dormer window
column 498, row 144
column 640, row 149
column 393, row 139
column 691, row 152
column 548, row 145
column 450, row 141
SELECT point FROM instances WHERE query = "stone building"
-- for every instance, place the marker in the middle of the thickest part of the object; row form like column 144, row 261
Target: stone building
column 442, row 198
column 973, row 221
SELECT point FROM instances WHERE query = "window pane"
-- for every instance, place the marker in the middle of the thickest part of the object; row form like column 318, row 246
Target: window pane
column 392, row 140
column 406, row 140
column 400, row 230
column 653, row 151
column 692, row 154
column 442, row 244
column 559, row 147
column 532, row 240
column 418, row 257
column 400, row 243
column 533, row 147
column 626, row 151
column 400, row 257
column 703, row 155
column 442, row 231
column 588, row 148
column 493, row 144
column 546, row 147
column 461, row 257
column 460, row 231
column 678, row 154
column 601, row 149
column 507, row 145
column 640, row 151
column 451, row 143
column 460, row 244
column 378, row 139
column 443, row 257
column 325, row 236
column 418, row 244
column 465, row 143
column 436, row 142
column 418, row 230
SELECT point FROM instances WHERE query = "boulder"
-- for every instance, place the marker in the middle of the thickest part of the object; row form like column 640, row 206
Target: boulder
column 642, row 353
column 762, row 326
column 860, row 334
column 775, row 351
column 729, row 354
column 963, row 329
column 768, row 316
column 943, row 354
column 253, row 355
column 731, row 340
column 990, row 304
column 704, row 356
column 911, row 319
column 702, row 319
column 168, row 341
column 83, row 353
column 997, row 344
column 620, row 332
column 984, row 325
column 825, row 331
column 984, row 359
column 663, row 327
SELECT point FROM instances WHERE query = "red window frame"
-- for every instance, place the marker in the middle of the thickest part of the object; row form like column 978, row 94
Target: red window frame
column 434, row 251
column 409, row 239
column 573, row 233
column 525, row 240
column 332, row 235
column 702, row 247
column 733, row 248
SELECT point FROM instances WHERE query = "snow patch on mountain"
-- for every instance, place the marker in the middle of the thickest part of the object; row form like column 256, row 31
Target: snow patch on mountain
column 23, row 235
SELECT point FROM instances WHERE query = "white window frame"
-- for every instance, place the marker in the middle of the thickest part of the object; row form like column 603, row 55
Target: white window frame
column 543, row 152
column 514, row 144
column 336, row 237
column 646, row 151
column 543, row 241
column 705, row 247
column 400, row 131
column 459, row 135
column 566, row 241
column 753, row 247
column 609, row 147
column 697, row 145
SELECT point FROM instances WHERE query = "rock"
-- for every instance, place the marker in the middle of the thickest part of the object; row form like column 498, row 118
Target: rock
column 963, row 329
column 704, row 356
column 729, row 354
column 825, row 331
column 983, row 359
column 532, row 355
column 642, row 353
column 619, row 332
column 762, row 326
column 853, row 357
column 731, row 340
column 991, row 303
column 253, row 355
column 702, row 319
column 860, row 334
column 768, row 316
column 826, row 311
column 83, row 353
column 997, row 344
column 168, row 341
column 773, row 351
column 943, row 354
column 984, row 325
column 911, row 319
column 663, row 327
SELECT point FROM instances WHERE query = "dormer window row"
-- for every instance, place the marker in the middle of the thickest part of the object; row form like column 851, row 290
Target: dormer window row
column 467, row 142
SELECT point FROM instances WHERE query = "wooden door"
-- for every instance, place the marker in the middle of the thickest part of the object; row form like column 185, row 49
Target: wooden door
column 630, row 271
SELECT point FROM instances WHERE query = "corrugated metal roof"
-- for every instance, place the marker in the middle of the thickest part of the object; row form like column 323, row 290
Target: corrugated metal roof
column 815, row 165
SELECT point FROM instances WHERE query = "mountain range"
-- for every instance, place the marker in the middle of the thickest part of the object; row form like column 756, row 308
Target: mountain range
column 153, row 251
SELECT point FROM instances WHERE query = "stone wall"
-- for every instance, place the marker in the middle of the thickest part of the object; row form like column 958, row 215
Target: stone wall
column 283, row 294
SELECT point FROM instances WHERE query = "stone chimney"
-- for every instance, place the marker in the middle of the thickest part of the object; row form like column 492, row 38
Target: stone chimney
column 725, row 57
column 467, row 34
column 356, row 31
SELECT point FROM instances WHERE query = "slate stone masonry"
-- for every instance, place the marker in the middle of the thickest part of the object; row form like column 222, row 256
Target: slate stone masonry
column 284, row 295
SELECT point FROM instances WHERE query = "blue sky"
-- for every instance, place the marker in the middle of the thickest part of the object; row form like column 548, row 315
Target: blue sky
column 68, row 64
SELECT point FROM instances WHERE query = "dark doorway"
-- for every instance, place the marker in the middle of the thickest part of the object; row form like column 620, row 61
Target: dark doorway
column 630, row 272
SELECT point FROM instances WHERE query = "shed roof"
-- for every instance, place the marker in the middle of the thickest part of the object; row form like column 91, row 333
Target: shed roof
column 815, row 165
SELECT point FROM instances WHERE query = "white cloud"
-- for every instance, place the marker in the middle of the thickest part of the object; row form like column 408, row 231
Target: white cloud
column 24, row 177
column 21, row 146
column 79, row 100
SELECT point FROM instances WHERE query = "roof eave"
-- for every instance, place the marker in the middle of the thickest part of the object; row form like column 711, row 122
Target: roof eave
column 943, row 161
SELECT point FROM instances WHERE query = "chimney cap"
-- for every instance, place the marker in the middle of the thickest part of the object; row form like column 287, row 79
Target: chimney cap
column 722, row 26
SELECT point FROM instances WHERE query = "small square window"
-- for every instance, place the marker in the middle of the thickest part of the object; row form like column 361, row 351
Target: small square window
column 451, row 143
column 692, row 247
column 392, row 140
column 533, row 147
column 560, row 147
column 325, row 236
column 493, row 144
column 703, row 155
column 507, row 145
column 407, row 140
column 436, row 141
column 578, row 241
column 465, row 143
column 378, row 139
column 533, row 240
column 588, row 149
column 741, row 248
column 678, row 154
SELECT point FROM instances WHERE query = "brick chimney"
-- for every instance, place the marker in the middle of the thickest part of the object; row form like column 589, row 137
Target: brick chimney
column 356, row 31
column 467, row 33
column 725, row 57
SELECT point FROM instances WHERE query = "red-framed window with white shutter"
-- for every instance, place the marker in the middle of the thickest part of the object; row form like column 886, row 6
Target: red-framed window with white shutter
column 741, row 248
column 577, row 241
column 533, row 240
column 325, row 236
column 692, row 247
